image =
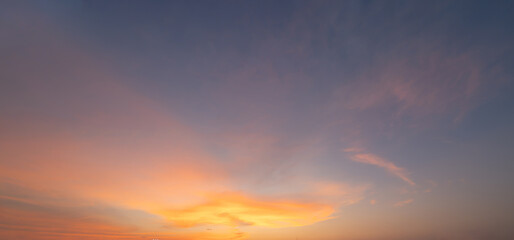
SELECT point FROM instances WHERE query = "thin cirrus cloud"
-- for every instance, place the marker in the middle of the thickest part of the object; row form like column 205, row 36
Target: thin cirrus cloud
column 455, row 80
column 375, row 160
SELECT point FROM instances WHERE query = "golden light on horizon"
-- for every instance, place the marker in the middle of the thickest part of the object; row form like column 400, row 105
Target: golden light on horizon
column 234, row 209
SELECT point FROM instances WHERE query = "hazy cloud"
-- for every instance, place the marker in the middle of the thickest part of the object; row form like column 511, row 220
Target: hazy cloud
column 403, row 203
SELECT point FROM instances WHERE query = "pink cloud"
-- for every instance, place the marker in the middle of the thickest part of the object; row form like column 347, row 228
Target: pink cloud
column 427, row 82
column 383, row 163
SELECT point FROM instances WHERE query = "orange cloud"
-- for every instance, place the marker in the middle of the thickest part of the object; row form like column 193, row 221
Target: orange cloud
column 236, row 209
column 383, row 163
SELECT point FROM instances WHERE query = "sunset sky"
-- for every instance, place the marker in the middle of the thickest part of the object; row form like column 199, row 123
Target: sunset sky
column 257, row 120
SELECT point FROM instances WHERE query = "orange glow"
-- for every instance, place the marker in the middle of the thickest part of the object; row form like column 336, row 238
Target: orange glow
column 235, row 209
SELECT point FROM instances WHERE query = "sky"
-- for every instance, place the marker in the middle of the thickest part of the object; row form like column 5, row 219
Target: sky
column 257, row 120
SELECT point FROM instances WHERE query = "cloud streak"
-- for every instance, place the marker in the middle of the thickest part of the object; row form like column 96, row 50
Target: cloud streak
column 389, row 166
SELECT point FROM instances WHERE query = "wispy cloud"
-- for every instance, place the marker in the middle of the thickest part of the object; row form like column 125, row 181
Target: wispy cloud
column 372, row 159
